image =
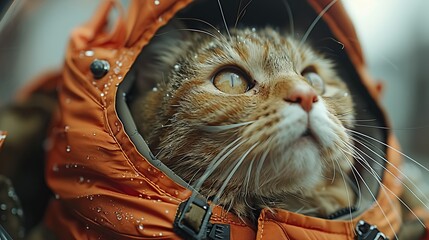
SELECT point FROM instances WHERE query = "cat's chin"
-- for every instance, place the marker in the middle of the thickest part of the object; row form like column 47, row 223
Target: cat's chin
column 294, row 168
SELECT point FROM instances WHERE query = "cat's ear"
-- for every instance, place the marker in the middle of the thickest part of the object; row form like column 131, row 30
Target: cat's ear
column 158, row 58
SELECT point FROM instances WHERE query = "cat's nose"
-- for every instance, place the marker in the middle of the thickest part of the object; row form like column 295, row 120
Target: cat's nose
column 303, row 95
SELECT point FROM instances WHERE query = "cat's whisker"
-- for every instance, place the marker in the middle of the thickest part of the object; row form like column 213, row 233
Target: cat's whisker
column 221, row 128
column 200, row 31
column 258, row 185
column 241, row 12
column 193, row 176
column 335, row 172
column 354, row 171
column 350, row 151
column 217, row 161
column 231, row 173
column 365, row 120
column 391, row 128
column 349, row 203
column 316, row 20
column 224, row 19
column 376, row 176
column 205, row 22
column 290, row 16
column 192, row 30
column 335, row 40
column 387, row 145
column 397, row 178
column 247, row 181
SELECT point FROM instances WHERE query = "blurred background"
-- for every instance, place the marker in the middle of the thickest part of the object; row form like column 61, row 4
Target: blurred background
column 393, row 33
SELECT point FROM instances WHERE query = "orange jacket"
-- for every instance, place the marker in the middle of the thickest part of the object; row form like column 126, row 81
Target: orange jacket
column 106, row 189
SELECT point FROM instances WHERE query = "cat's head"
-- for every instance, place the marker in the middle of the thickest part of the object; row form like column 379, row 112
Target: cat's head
column 264, row 112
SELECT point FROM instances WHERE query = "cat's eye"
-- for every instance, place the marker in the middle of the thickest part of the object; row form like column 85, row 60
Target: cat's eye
column 315, row 81
column 232, row 81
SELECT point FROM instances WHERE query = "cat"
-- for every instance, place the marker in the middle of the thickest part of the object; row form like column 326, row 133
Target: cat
column 255, row 119
column 265, row 113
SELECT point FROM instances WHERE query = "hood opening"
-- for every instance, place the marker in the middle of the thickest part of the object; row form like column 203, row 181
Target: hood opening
column 273, row 13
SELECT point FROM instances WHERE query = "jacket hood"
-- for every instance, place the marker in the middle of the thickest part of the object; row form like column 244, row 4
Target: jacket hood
column 107, row 183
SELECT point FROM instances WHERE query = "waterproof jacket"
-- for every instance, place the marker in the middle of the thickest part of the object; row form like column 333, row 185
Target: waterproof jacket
column 106, row 183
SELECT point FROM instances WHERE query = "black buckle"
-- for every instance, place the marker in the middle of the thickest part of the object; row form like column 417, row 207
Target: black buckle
column 365, row 231
column 219, row 232
column 192, row 221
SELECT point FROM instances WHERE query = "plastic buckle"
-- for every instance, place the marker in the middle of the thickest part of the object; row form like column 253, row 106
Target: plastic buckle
column 365, row 231
column 219, row 232
column 192, row 219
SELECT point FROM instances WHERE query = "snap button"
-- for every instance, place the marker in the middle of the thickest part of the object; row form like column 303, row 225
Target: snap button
column 365, row 231
column 99, row 68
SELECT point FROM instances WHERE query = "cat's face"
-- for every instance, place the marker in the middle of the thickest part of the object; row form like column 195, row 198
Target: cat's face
column 266, row 111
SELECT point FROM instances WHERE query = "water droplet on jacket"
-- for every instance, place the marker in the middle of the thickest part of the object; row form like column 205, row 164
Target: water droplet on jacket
column 140, row 226
column 117, row 70
column 20, row 212
column 119, row 216
column 68, row 148
column 160, row 234
column 176, row 192
column 119, row 63
column 14, row 211
column 98, row 209
column 156, row 2
column 87, row 227
column 68, row 100
column 166, row 211
column 149, row 169
column 66, row 128
column 11, row 193
column 55, row 168
column 81, row 179
column 57, row 196
column 102, row 94
column 89, row 53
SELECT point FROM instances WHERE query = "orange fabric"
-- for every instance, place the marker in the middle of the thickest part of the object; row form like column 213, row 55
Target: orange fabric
column 106, row 190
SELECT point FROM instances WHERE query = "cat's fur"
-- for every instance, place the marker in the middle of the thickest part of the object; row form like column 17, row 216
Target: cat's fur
column 263, row 132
